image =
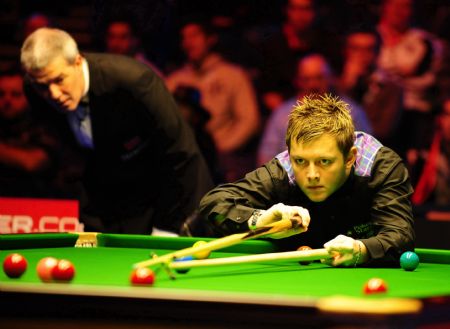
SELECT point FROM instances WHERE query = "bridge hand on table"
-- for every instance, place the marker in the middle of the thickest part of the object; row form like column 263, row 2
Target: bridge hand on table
column 278, row 212
column 346, row 251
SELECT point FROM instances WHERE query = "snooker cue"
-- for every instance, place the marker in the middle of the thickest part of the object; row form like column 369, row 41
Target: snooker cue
column 279, row 226
column 298, row 255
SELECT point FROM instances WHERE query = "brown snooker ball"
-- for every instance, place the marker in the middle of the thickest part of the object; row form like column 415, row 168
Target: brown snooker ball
column 45, row 267
column 306, row 262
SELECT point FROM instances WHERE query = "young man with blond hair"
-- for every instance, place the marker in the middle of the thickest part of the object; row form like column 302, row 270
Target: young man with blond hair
column 351, row 192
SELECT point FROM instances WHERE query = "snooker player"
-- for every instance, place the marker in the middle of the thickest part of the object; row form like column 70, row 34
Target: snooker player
column 143, row 166
column 351, row 192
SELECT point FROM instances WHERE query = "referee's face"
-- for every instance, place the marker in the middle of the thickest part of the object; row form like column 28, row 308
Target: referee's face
column 60, row 82
column 320, row 167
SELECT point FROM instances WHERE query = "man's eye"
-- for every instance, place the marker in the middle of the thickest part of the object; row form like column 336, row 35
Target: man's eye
column 325, row 162
column 299, row 161
column 58, row 80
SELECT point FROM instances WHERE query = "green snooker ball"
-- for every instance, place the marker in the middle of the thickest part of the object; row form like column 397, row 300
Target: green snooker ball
column 409, row 261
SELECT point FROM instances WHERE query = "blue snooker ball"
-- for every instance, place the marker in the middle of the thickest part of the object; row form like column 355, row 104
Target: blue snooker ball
column 183, row 259
column 409, row 261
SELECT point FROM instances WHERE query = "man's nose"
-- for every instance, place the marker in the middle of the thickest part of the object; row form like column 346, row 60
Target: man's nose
column 54, row 91
column 313, row 173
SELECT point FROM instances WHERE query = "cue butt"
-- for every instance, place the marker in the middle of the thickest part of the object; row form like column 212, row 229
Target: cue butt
column 299, row 255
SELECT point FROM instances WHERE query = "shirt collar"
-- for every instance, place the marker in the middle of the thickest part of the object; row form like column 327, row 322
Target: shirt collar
column 85, row 68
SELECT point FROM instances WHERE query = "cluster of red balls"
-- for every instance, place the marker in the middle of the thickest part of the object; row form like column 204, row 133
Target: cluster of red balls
column 48, row 268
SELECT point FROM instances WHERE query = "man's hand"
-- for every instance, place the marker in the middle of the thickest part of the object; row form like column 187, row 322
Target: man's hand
column 278, row 212
column 346, row 251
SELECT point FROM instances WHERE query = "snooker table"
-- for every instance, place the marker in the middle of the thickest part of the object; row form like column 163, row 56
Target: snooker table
column 257, row 295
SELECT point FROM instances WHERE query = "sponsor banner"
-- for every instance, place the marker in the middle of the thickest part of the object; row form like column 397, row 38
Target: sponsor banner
column 26, row 215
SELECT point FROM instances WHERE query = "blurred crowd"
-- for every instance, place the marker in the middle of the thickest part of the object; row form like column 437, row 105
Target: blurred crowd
column 236, row 68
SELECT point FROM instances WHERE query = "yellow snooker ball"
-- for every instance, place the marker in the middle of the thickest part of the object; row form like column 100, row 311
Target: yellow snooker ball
column 202, row 254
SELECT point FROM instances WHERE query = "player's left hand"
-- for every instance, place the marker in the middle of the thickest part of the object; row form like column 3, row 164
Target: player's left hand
column 346, row 251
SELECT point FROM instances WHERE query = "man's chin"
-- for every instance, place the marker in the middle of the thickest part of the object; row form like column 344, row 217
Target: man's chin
column 70, row 108
column 65, row 108
column 317, row 197
column 318, row 200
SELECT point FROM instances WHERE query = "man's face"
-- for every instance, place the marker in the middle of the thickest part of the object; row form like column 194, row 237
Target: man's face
column 60, row 82
column 300, row 14
column 313, row 76
column 195, row 42
column 119, row 39
column 361, row 48
column 397, row 13
column 319, row 166
column 12, row 98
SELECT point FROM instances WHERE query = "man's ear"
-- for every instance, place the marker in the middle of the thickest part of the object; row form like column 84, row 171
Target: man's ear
column 351, row 158
column 78, row 60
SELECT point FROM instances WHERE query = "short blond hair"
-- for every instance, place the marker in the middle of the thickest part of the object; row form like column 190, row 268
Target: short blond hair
column 315, row 115
column 44, row 45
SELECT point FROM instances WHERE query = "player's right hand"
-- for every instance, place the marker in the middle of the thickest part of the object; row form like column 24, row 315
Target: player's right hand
column 278, row 212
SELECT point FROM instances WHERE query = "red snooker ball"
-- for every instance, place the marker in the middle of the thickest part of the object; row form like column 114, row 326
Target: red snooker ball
column 142, row 276
column 63, row 271
column 375, row 286
column 14, row 265
column 45, row 267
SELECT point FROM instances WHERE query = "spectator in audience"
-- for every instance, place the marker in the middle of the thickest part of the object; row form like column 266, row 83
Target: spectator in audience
column 371, row 87
column 298, row 36
column 27, row 151
column 122, row 39
column 433, row 184
column 144, row 168
column 226, row 93
column 33, row 22
column 314, row 76
column 412, row 57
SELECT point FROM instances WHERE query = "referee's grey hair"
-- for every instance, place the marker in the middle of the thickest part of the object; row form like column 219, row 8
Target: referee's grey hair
column 44, row 45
